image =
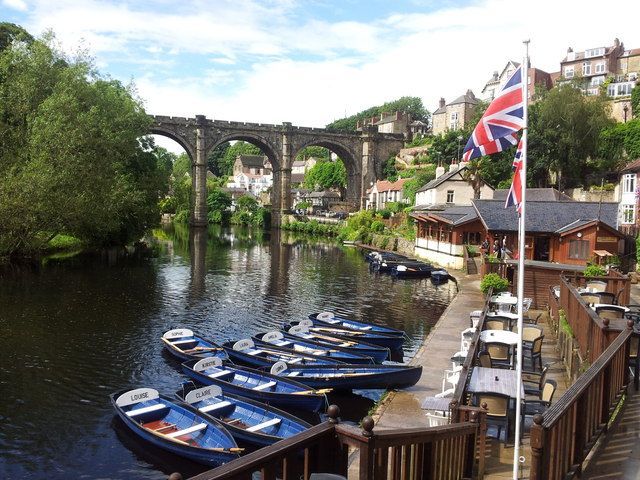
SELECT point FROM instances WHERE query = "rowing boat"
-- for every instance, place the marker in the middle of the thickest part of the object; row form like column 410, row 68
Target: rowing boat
column 182, row 343
column 175, row 426
column 249, row 422
column 393, row 342
column 254, row 384
column 334, row 320
column 246, row 352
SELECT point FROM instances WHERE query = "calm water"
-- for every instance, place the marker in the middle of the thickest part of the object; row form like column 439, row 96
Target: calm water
column 76, row 330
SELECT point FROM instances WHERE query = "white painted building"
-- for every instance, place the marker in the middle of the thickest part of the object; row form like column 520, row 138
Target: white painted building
column 449, row 188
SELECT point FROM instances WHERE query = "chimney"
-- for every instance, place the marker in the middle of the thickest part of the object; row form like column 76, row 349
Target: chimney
column 495, row 75
column 442, row 102
column 453, row 167
column 470, row 94
column 439, row 171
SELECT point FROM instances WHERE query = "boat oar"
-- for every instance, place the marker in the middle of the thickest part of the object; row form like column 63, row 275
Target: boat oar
column 335, row 340
column 225, row 450
column 337, row 332
column 202, row 349
column 182, row 442
column 313, row 392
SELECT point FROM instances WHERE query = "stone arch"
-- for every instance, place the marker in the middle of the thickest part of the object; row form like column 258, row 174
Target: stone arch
column 179, row 139
column 349, row 157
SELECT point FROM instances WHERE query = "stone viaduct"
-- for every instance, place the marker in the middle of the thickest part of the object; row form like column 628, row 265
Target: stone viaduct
column 363, row 153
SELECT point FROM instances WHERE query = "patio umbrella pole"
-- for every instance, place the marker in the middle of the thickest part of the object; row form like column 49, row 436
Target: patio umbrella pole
column 521, row 257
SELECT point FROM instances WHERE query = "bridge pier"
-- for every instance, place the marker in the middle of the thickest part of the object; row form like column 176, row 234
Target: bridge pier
column 199, row 176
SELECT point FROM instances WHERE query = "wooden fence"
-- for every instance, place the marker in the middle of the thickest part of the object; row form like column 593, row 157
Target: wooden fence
column 617, row 283
column 447, row 452
column 562, row 438
column 592, row 333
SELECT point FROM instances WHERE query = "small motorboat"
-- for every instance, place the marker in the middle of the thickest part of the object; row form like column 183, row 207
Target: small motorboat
column 351, row 377
column 330, row 318
column 249, row 422
column 332, row 340
column 183, row 344
column 300, row 345
column 412, row 270
column 439, row 276
column 246, row 352
column 254, row 384
column 175, row 426
column 393, row 342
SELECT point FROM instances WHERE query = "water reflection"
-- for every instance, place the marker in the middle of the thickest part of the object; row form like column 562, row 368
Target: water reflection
column 76, row 330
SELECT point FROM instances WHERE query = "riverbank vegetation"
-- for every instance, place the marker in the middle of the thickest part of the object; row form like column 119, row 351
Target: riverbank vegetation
column 73, row 152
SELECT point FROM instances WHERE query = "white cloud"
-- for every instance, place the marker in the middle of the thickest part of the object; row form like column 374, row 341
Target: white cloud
column 260, row 61
column 19, row 5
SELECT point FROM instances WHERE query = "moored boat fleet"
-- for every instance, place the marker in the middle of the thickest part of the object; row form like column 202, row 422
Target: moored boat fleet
column 403, row 267
column 237, row 390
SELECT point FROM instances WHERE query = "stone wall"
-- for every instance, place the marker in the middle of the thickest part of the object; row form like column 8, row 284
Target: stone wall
column 581, row 195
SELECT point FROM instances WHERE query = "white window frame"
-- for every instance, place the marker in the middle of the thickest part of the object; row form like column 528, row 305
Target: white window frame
column 569, row 72
column 586, row 68
column 594, row 52
column 453, row 121
column 629, row 183
column 629, row 214
column 450, row 196
column 597, row 80
column 600, row 67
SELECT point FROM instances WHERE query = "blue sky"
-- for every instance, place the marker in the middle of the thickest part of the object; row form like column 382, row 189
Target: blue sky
column 310, row 62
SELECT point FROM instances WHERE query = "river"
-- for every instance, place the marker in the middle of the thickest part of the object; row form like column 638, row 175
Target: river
column 75, row 330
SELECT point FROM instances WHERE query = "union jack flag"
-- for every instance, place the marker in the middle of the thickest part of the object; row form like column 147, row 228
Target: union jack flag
column 504, row 117
column 514, row 197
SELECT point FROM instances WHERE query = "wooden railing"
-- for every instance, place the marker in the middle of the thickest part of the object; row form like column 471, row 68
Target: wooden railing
column 592, row 333
column 562, row 438
column 617, row 283
column 448, row 452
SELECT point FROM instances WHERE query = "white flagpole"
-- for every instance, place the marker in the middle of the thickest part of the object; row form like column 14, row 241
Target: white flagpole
column 521, row 255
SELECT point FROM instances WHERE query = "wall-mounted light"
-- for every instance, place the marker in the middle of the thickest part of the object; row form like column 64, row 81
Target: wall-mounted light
column 579, row 234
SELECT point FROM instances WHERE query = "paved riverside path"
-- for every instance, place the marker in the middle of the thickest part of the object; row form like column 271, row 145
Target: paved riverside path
column 401, row 409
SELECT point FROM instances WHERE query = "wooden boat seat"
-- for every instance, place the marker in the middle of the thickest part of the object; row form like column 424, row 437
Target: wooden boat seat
column 187, row 431
column 255, row 352
column 264, row 386
column 180, row 342
column 366, row 328
column 295, row 360
column 345, row 344
column 150, row 408
column 215, row 406
column 221, row 373
column 281, row 344
column 293, row 374
column 263, row 425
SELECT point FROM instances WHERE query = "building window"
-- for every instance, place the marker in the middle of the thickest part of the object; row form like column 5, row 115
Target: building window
column 629, row 183
column 628, row 214
column 453, row 125
column 449, row 196
column 595, row 81
column 568, row 72
column 586, row 68
column 600, row 67
column 579, row 249
column 594, row 52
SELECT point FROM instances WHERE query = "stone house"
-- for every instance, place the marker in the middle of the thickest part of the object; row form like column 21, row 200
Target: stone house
column 535, row 77
column 397, row 122
column 454, row 115
column 322, row 201
column 252, row 173
column 449, row 188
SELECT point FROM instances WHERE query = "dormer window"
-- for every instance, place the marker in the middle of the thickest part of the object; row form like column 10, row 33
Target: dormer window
column 594, row 52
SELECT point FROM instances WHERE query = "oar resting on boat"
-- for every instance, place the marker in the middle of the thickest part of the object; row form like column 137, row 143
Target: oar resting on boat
column 184, row 344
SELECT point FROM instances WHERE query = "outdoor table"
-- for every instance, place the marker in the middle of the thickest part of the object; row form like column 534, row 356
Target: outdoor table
column 504, row 299
column 501, row 336
column 512, row 316
column 436, row 403
column 484, row 380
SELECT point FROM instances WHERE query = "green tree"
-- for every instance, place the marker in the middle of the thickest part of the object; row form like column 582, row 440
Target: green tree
column 325, row 175
column 247, row 203
column 319, row 153
column 215, row 161
column 10, row 32
column 422, row 177
column 410, row 105
column 73, row 153
column 389, row 171
column 635, row 101
column 218, row 203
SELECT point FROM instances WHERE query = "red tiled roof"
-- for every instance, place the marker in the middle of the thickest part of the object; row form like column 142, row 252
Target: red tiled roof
column 631, row 166
column 385, row 186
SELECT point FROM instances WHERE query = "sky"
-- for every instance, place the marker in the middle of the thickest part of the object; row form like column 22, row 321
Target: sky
column 310, row 62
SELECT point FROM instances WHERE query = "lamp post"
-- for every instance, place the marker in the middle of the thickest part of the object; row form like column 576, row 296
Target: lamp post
column 459, row 144
column 625, row 109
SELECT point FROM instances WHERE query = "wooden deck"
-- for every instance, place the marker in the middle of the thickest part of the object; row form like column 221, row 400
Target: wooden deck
column 499, row 460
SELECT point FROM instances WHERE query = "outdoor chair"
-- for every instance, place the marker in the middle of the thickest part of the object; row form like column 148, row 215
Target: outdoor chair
column 590, row 298
column 606, row 297
column 474, row 318
column 526, row 304
column 534, row 352
column 596, row 285
column 436, row 420
column 532, row 321
column 633, row 355
column 484, row 359
column 496, row 323
column 610, row 312
column 530, row 333
column 497, row 411
column 500, row 354
column 539, row 405
column 452, row 377
column 465, row 339
column 534, row 381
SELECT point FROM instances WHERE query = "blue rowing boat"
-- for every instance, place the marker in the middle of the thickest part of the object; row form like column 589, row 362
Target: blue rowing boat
column 246, row 352
column 330, row 318
column 393, row 342
column 254, row 384
column 439, row 276
column 175, row 427
column 412, row 270
column 328, row 336
column 351, row 377
column 299, row 345
column 183, row 344
column 249, row 422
